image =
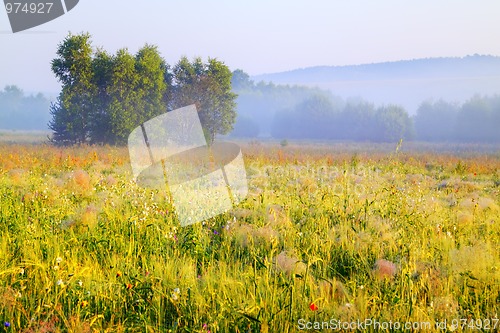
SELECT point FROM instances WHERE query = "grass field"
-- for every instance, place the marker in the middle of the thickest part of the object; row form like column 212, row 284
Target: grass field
column 327, row 234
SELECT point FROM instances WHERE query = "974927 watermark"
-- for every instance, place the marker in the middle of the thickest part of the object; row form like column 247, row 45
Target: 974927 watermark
column 26, row 14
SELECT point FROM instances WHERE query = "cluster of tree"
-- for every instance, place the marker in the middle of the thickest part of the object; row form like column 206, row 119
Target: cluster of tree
column 476, row 120
column 319, row 118
column 23, row 112
column 104, row 97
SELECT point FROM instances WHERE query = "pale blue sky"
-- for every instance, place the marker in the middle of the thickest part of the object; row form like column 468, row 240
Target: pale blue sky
column 259, row 36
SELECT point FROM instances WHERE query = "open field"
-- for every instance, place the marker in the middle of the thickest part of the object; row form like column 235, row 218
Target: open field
column 327, row 234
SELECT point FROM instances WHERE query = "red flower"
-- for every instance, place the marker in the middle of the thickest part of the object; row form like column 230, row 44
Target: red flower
column 313, row 307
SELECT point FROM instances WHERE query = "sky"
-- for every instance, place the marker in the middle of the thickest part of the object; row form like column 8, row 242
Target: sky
column 258, row 36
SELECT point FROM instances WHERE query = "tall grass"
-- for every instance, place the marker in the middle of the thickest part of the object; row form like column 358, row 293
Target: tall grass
column 400, row 237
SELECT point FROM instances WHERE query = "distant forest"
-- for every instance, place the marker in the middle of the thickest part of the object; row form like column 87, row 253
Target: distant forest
column 266, row 110
column 406, row 83
column 19, row 111
column 298, row 112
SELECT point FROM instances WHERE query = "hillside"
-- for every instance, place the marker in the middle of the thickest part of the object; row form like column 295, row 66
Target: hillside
column 406, row 82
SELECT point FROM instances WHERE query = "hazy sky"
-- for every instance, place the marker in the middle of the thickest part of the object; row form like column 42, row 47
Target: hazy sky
column 259, row 36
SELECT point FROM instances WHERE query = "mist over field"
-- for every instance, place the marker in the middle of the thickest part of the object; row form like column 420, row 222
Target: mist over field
column 406, row 82
column 436, row 100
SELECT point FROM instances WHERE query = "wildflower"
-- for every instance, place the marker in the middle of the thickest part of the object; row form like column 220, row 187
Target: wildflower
column 21, row 271
column 60, row 283
column 147, row 273
column 129, row 286
column 118, row 274
column 216, row 232
column 313, row 307
column 384, row 269
column 80, row 283
column 175, row 294
column 289, row 264
column 6, row 324
column 58, row 260
column 56, row 267
column 84, row 303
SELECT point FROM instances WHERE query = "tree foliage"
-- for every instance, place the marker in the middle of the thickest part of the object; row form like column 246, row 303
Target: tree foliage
column 436, row 121
column 320, row 118
column 258, row 104
column 104, row 97
column 208, row 86
column 73, row 110
column 476, row 120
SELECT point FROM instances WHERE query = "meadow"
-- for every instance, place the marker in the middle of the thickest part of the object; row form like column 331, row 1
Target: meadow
column 329, row 234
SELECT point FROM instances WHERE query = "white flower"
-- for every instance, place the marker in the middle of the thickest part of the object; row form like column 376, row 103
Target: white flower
column 58, row 260
column 175, row 294
column 80, row 283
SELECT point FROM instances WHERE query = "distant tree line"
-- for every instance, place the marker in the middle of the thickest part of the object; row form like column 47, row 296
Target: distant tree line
column 19, row 111
column 476, row 120
column 318, row 118
column 304, row 113
column 258, row 103
column 104, row 97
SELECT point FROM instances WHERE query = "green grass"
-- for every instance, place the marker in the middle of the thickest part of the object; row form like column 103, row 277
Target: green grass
column 84, row 249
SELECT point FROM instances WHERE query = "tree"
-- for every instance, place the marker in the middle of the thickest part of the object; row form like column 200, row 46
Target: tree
column 123, row 93
column 136, row 91
column 477, row 120
column 100, row 123
column 152, row 83
column 241, row 81
column 393, row 124
column 208, row 86
column 356, row 121
column 435, row 121
column 73, row 110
